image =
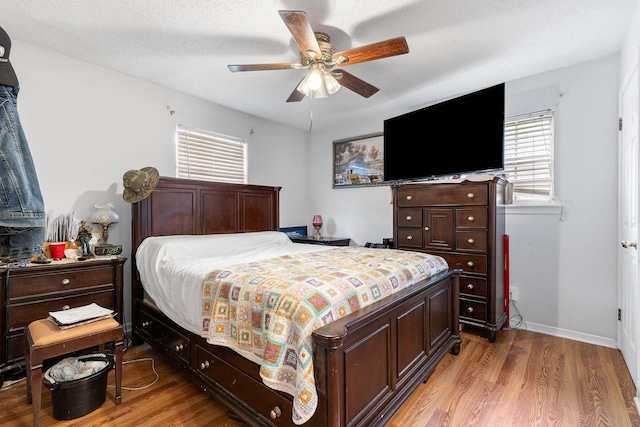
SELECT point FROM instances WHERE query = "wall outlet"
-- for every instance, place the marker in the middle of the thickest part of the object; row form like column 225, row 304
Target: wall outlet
column 514, row 294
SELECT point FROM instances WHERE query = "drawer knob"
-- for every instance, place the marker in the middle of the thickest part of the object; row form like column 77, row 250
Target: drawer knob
column 204, row 365
column 470, row 218
column 180, row 347
column 409, row 217
column 66, row 281
column 275, row 413
column 471, row 195
column 470, row 286
column 145, row 324
column 426, row 229
column 65, row 307
column 409, row 197
column 469, row 309
column 470, row 241
column 409, row 237
column 470, row 264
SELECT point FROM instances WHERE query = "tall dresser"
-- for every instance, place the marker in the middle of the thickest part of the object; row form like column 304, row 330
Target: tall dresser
column 463, row 222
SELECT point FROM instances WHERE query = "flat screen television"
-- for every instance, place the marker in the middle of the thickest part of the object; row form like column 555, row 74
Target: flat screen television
column 462, row 135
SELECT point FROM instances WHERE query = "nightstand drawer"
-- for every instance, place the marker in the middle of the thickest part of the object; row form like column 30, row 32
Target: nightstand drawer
column 33, row 285
column 20, row 315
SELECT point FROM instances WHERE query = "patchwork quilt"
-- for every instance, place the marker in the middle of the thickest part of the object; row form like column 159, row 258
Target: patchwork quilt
column 267, row 310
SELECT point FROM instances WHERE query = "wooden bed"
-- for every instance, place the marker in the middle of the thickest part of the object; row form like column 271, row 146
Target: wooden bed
column 366, row 364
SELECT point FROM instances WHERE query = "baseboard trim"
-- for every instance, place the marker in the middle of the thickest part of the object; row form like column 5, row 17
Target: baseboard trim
column 572, row 335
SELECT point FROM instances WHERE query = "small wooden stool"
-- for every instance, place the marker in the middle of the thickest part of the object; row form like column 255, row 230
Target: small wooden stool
column 45, row 340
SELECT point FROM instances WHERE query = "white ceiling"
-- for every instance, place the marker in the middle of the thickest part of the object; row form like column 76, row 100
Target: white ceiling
column 455, row 46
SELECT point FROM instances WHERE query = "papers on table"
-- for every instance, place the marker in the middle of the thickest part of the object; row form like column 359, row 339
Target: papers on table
column 80, row 315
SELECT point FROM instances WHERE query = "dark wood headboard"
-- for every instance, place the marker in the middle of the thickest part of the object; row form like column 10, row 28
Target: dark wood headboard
column 182, row 206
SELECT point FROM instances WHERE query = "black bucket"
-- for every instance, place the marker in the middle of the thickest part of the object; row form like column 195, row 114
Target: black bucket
column 76, row 398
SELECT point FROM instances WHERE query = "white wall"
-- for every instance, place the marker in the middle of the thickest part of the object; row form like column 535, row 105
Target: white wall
column 86, row 126
column 564, row 266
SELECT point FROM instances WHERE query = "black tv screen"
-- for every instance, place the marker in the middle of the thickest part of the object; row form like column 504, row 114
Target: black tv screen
column 458, row 136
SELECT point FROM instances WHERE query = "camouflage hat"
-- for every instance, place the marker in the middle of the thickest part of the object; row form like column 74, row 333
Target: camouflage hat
column 138, row 184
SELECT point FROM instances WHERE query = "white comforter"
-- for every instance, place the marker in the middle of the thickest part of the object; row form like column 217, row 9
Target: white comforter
column 172, row 268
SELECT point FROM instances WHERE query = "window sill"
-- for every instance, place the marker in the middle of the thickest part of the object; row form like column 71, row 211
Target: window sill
column 553, row 208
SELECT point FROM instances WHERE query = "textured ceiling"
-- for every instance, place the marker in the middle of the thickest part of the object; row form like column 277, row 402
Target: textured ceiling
column 456, row 46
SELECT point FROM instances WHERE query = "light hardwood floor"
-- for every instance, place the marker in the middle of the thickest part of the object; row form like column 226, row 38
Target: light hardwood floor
column 523, row 379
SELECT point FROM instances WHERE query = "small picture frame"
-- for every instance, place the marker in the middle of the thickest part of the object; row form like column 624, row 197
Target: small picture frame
column 359, row 161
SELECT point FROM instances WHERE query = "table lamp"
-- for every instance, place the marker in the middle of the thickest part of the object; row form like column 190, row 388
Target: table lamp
column 106, row 219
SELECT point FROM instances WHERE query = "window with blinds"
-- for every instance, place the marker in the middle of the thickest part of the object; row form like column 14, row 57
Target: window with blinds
column 210, row 156
column 528, row 156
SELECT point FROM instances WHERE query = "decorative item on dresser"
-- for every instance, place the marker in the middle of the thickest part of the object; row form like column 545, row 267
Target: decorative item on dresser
column 30, row 293
column 464, row 223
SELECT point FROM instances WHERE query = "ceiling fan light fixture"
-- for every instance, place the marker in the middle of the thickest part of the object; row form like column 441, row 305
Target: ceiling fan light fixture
column 330, row 82
column 318, row 83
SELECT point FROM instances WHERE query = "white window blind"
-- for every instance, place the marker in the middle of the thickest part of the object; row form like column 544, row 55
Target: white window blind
column 528, row 156
column 210, row 156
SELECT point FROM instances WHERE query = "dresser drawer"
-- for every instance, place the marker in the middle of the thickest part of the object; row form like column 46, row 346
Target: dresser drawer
column 179, row 346
column 473, row 286
column 469, row 263
column 20, row 315
column 473, row 309
column 265, row 401
column 34, row 285
column 471, row 240
column 409, row 238
column 410, row 217
column 443, row 195
column 471, row 218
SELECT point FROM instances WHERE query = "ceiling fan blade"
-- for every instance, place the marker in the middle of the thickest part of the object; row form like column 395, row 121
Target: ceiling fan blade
column 296, row 21
column 357, row 85
column 296, row 96
column 370, row 52
column 261, row 67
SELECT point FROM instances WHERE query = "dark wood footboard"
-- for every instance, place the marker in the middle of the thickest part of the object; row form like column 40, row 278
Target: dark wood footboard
column 366, row 364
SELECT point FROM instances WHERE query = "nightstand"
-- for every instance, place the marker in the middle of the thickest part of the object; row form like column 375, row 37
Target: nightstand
column 328, row 241
column 30, row 293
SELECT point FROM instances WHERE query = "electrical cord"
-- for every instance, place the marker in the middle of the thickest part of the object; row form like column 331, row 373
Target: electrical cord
column 519, row 320
column 153, row 368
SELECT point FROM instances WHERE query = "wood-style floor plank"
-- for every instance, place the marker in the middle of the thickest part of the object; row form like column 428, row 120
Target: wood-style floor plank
column 523, row 379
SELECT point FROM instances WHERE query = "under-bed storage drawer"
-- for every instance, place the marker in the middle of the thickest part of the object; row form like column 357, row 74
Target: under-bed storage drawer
column 177, row 345
column 269, row 403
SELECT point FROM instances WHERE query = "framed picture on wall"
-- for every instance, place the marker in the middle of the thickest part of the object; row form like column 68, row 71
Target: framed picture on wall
column 358, row 161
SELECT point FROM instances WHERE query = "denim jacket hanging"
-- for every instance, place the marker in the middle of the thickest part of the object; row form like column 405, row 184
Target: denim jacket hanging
column 22, row 216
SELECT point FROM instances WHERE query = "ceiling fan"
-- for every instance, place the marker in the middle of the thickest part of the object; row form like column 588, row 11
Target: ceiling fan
column 319, row 57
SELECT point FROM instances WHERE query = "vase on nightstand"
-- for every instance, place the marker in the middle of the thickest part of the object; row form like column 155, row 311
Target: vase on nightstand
column 317, row 224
